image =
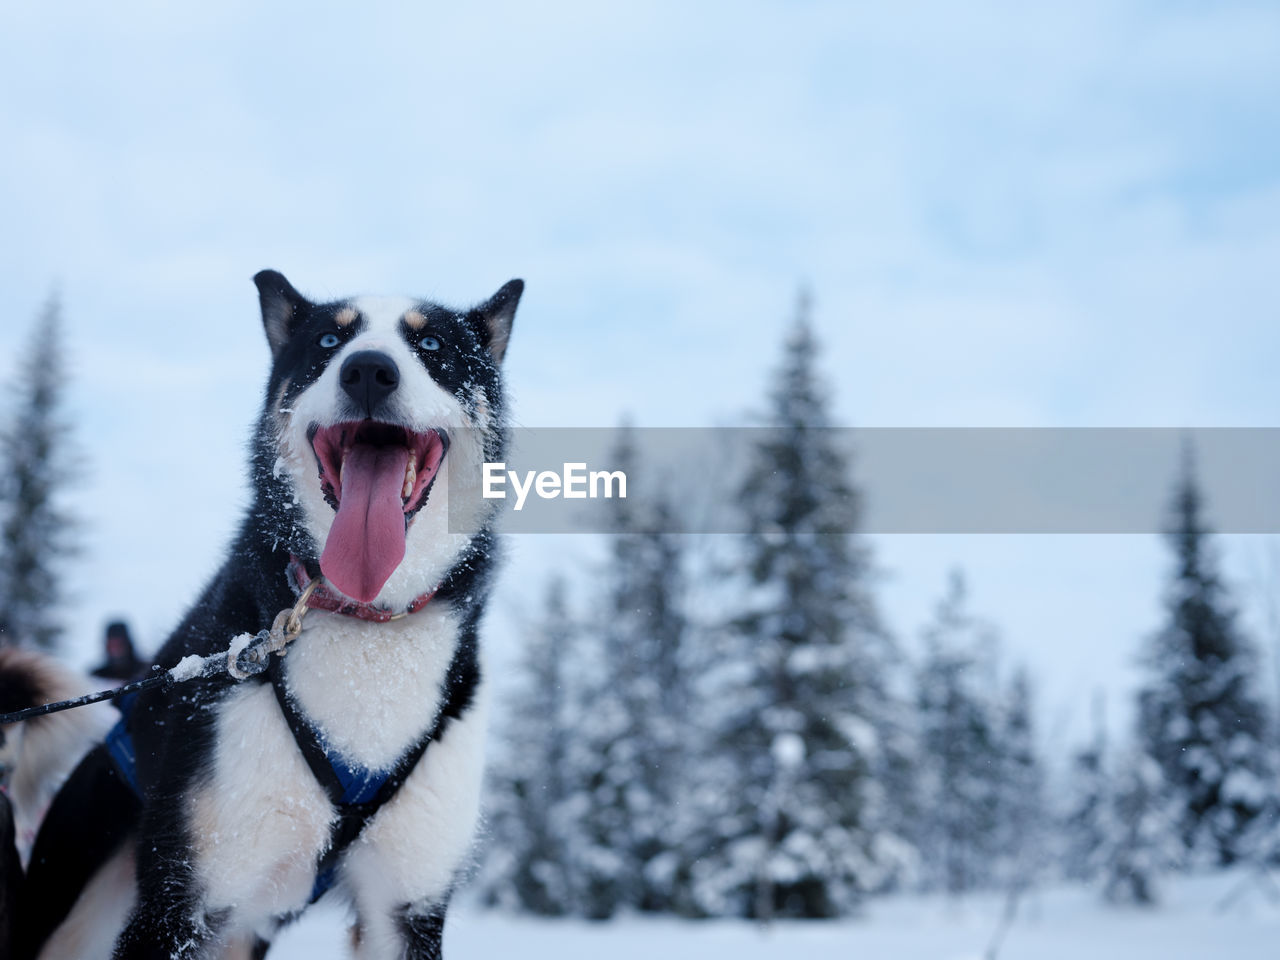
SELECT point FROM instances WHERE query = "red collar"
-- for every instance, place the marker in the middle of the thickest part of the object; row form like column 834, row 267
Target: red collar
column 322, row 598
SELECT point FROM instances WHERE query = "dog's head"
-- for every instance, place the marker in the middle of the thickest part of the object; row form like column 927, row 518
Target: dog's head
column 368, row 397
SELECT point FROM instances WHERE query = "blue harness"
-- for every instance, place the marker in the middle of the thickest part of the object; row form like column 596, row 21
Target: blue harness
column 120, row 745
column 355, row 790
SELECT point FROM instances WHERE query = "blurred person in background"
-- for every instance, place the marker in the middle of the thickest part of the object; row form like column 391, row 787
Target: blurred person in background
column 122, row 663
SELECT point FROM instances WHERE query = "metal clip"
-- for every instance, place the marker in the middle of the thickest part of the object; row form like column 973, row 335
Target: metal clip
column 254, row 656
column 293, row 625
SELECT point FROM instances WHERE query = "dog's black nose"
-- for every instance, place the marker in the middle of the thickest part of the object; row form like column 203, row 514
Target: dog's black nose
column 369, row 377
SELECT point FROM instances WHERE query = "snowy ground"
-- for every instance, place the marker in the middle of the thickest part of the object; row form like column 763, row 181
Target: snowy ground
column 1054, row 924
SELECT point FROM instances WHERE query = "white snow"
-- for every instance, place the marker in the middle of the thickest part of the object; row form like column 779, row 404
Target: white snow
column 190, row 667
column 1058, row 923
column 788, row 750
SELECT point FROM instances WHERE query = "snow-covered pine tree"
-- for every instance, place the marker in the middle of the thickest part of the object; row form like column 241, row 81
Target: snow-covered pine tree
column 658, row 705
column 960, row 748
column 1020, row 801
column 36, row 534
column 1140, row 826
column 629, row 753
column 1198, row 714
column 598, row 850
column 1088, row 793
column 529, row 800
column 796, row 826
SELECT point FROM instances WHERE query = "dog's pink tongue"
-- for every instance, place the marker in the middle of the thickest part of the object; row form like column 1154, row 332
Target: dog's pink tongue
column 366, row 541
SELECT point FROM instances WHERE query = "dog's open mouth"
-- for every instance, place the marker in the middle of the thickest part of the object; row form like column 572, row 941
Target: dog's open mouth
column 376, row 476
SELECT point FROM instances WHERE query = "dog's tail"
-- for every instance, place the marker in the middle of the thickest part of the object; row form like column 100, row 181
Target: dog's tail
column 37, row 755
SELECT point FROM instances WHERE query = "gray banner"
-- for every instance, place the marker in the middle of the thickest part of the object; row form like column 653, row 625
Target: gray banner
column 979, row 480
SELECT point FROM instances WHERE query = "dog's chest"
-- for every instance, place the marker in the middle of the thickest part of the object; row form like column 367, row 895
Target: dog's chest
column 371, row 690
column 261, row 819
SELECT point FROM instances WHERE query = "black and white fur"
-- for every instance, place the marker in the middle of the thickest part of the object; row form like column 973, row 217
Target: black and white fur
column 224, row 849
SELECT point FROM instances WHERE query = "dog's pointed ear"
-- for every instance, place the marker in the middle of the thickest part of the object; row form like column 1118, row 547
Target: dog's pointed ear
column 282, row 307
column 494, row 317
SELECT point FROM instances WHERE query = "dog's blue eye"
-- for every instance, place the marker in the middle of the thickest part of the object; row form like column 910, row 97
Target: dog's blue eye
column 329, row 341
column 429, row 343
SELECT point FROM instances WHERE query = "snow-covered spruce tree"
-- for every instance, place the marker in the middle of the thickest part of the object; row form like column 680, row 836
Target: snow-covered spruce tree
column 797, row 826
column 1020, row 802
column 1140, row 841
column 960, row 749
column 1198, row 715
column 1087, row 796
column 36, row 534
column 658, row 708
column 530, row 805
column 597, row 850
column 629, row 755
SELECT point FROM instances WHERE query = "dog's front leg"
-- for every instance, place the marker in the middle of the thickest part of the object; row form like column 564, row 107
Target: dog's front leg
column 423, row 933
column 173, row 931
column 408, row 933
column 170, row 920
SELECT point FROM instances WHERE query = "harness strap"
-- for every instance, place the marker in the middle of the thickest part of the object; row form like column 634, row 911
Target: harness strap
column 120, row 745
column 356, row 791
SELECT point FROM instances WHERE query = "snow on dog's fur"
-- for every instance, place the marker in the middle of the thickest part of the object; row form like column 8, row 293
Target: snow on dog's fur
column 367, row 400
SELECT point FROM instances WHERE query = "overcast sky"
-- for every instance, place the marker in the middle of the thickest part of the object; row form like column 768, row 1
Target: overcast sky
column 1009, row 215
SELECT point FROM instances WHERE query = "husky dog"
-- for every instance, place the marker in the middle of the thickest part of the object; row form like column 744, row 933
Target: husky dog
column 219, row 808
column 36, row 756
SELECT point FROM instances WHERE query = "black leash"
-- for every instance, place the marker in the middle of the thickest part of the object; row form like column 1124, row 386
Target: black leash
column 161, row 679
column 246, row 657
